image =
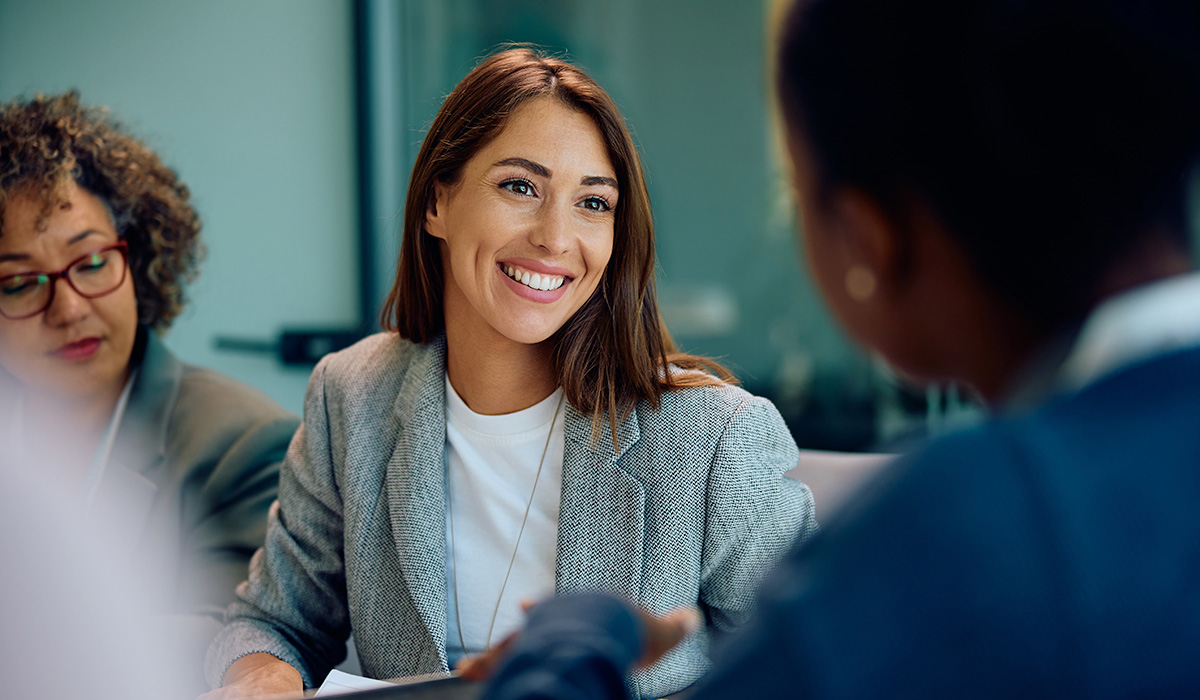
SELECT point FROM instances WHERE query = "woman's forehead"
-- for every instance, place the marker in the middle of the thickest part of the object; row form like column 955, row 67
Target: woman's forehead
column 547, row 131
column 30, row 217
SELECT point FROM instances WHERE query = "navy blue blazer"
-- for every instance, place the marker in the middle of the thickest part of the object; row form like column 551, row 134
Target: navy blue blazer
column 1051, row 554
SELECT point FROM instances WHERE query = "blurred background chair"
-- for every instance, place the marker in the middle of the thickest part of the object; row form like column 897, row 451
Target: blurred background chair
column 834, row 477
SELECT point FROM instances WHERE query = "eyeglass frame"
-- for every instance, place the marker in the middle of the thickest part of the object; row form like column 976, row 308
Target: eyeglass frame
column 62, row 274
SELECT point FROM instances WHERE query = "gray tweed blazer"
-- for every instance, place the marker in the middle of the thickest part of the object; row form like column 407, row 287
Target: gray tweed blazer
column 690, row 510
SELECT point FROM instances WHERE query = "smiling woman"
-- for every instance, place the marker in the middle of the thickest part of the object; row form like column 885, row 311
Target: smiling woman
column 527, row 427
column 515, row 226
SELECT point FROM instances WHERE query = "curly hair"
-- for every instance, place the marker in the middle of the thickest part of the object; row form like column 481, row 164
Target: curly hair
column 49, row 142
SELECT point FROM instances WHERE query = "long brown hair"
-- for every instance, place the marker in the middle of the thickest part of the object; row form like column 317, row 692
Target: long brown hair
column 615, row 350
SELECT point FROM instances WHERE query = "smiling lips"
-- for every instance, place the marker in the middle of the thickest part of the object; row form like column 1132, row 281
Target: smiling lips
column 534, row 280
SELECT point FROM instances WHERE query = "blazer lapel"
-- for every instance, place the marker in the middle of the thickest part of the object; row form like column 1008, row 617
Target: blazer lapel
column 416, row 488
column 136, row 468
column 602, row 515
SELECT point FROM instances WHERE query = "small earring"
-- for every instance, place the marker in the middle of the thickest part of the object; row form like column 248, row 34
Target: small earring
column 860, row 283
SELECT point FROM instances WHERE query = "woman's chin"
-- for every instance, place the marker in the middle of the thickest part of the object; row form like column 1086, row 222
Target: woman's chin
column 528, row 328
column 75, row 382
column 528, row 336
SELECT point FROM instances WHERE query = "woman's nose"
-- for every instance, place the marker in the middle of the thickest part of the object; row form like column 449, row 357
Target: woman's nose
column 552, row 231
column 67, row 305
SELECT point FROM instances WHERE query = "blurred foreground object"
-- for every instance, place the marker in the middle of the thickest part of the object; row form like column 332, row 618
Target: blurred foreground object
column 73, row 625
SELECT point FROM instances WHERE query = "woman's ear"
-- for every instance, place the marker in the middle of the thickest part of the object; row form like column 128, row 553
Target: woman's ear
column 435, row 213
column 873, row 245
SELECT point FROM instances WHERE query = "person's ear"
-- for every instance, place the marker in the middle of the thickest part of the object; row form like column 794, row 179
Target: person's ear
column 873, row 246
column 435, row 213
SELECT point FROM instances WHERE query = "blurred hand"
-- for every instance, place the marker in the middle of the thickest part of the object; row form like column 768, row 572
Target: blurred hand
column 662, row 634
column 258, row 676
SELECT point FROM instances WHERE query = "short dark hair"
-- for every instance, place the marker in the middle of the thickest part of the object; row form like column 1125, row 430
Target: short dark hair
column 1047, row 135
column 50, row 141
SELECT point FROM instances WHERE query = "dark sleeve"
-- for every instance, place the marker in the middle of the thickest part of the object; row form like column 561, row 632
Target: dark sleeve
column 940, row 582
column 574, row 647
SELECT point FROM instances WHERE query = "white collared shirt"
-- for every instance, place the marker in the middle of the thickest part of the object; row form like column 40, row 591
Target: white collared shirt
column 1132, row 327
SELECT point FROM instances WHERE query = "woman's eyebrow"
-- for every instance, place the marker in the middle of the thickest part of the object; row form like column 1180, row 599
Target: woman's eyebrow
column 80, row 236
column 590, row 180
column 535, row 168
column 11, row 257
column 542, row 171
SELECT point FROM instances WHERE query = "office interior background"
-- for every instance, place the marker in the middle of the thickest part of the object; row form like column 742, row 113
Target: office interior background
column 295, row 124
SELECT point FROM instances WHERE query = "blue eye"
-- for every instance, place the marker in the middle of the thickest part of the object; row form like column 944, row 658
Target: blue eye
column 520, row 187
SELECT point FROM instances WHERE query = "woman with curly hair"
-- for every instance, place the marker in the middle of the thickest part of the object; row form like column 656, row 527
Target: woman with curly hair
column 97, row 237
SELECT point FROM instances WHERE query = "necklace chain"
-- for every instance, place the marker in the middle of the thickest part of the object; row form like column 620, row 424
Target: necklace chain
column 454, row 547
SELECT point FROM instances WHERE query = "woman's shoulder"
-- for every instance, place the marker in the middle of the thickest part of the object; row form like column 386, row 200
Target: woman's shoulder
column 381, row 358
column 374, row 372
column 701, row 390
column 204, row 414
column 186, row 393
column 200, row 386
column 215, row 416
column 705, row 401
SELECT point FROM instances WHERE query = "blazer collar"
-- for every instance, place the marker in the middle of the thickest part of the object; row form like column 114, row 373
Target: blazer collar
column 142, row 438
column 415, row 484
column 137, row 467
column 423, row 383
column 601, row 521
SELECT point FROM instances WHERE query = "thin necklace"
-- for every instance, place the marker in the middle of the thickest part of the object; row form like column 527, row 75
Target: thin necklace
column 454, row 547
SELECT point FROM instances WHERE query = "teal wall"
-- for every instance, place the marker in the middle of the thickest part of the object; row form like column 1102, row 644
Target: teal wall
column 251, row 101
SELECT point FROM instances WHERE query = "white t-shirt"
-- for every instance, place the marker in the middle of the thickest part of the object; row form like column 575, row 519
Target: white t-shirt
column 492, row 462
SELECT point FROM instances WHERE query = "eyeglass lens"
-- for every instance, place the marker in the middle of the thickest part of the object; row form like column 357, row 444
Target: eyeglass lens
column 92, row 276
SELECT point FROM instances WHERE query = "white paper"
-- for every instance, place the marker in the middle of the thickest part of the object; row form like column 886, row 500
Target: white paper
column 339, row 682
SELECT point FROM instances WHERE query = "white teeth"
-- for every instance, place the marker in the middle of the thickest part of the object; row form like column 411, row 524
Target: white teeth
column 535, row 280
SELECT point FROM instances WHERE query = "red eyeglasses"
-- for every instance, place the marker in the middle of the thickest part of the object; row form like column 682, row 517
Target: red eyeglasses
column 92, row 275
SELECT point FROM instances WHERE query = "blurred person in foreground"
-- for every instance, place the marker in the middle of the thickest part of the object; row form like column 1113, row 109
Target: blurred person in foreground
column 993, row 192
column 97, row 238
